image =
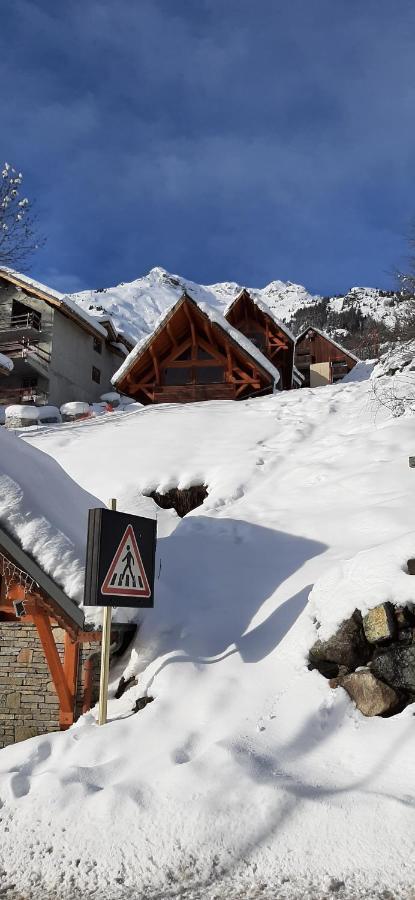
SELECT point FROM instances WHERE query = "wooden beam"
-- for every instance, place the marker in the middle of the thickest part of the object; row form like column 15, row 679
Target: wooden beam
column 155, row 364
column 70, row 670
column 41, row 620
column 171, row 335
column 192, row 327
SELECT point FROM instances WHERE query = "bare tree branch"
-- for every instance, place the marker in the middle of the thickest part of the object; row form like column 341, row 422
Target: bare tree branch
column 18, row 225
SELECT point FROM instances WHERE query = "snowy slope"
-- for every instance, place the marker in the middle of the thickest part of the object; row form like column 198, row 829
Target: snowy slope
column 246, row 769
column 136, row 306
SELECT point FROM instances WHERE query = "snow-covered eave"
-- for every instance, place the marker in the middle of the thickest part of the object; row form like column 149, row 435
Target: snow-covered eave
column 265, row 309
column 216, row 318
column 6, row 365
column 12, row 548
column 54, row 298
column 328, row 338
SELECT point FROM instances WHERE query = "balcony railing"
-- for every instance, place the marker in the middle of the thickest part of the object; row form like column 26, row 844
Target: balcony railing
column 25, row 350
column 22, row 322
column 9, row 396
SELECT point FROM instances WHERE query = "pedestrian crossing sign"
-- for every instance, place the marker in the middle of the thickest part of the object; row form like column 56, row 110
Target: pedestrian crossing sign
column 126, row 576
column 120, row 559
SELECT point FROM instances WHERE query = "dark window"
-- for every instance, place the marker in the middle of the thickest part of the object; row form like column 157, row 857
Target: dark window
column 203, row 354
column 257, row 338
column 209, row 374
column 96, row 375
column 97, row 345
column 29, row 382
column 187, row 354
column 23, row 316
column 179, row 375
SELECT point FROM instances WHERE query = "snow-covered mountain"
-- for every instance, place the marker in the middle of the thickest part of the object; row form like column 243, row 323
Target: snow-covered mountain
column 135, row 306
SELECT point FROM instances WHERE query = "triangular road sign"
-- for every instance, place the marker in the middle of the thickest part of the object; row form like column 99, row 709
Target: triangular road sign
column 126, row 576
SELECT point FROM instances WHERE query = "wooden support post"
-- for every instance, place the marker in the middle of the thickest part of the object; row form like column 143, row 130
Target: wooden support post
column 42, row 622
column 70, row 668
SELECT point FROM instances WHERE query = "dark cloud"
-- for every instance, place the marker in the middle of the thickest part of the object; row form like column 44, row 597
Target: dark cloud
column 222, row 140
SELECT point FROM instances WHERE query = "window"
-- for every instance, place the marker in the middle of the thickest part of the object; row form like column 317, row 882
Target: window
column 187, row 354
column 257, row 338
column 179, row 375
column 203, row 354
column 209, row 374
column 96, row 375
column 29, row 382
column 97, row 345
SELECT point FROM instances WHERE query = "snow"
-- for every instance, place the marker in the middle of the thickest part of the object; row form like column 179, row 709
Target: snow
column 19, row 411
column 75, row 408
column 214, row 316
column 48, row 412
column 6, row 364
column 44, row 510
column 247, row 776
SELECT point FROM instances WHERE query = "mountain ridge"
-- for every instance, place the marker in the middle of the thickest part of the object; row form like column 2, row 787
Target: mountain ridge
column 364, row 319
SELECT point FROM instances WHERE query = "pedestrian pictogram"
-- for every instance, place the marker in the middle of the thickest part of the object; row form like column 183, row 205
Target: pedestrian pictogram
column 126, row 576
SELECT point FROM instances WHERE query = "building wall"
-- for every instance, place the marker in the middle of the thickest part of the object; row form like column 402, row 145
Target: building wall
column 73, row 357
column 28, row 702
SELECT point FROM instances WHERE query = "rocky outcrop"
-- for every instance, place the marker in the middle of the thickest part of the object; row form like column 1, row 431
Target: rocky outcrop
column 396, row 667
column 372, row 658
column 371, row 696
column 347, row 648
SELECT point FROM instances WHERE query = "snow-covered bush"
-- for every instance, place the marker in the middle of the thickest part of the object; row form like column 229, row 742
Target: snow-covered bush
column 393, row 379
column 76, row 409
column 19, row 416
column 49, row 415
column 112, row 398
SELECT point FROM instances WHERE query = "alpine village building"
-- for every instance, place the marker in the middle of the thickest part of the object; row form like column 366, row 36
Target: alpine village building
column 320, row 359
column 196, row 354
column 59, row 352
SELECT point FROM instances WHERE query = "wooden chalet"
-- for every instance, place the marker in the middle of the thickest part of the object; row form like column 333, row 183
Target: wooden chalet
column 195, row 354
column 320, row 359
column 254, row 319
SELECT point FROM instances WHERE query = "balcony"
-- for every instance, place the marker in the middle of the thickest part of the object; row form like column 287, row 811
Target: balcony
column 25, row 325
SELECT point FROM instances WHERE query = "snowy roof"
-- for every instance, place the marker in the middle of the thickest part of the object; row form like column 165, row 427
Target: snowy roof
column 6, row 364
column 45, row 512
column 328, row 338
column 217, row 319
column 264, row 309
column 57, row 299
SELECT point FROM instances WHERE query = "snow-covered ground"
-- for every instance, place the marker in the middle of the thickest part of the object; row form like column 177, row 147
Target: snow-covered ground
column 247, row 776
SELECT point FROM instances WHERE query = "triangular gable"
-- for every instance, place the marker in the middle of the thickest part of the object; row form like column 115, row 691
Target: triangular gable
column 327, row 337
column 260, row 305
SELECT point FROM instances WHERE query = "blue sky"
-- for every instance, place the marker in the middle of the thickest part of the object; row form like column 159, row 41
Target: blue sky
column 221, row 139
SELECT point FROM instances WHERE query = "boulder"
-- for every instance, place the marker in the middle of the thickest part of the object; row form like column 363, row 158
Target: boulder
column 379, row 624
column 396, row 666
column 348, row 647
column 371, row 696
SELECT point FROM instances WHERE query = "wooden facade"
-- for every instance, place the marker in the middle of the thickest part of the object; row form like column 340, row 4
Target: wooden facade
column 270, row 336
column 320, row 359
column 194, row 356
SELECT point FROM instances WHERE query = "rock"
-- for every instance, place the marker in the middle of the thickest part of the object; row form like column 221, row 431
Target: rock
column 411, row 566
column 347, row 647
column 25, row 655
column 371, row 696
column 379, row 624
column 396, row 666
column 23, row 732
column 404, row 617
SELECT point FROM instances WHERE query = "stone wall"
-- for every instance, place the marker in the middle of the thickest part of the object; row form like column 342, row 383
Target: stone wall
column 28, row 702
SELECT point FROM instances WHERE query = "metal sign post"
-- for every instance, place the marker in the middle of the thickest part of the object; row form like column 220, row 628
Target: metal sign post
column 105, row 653
column 120, row 562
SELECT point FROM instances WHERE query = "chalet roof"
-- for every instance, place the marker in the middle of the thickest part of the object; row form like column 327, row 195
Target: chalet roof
column 264, row 309
column 14, row 551
column 217, row 319
column 328, row 338
column 103, row 327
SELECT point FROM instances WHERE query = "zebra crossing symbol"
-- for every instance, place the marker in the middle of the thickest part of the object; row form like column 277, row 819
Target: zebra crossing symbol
column 126, row 575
